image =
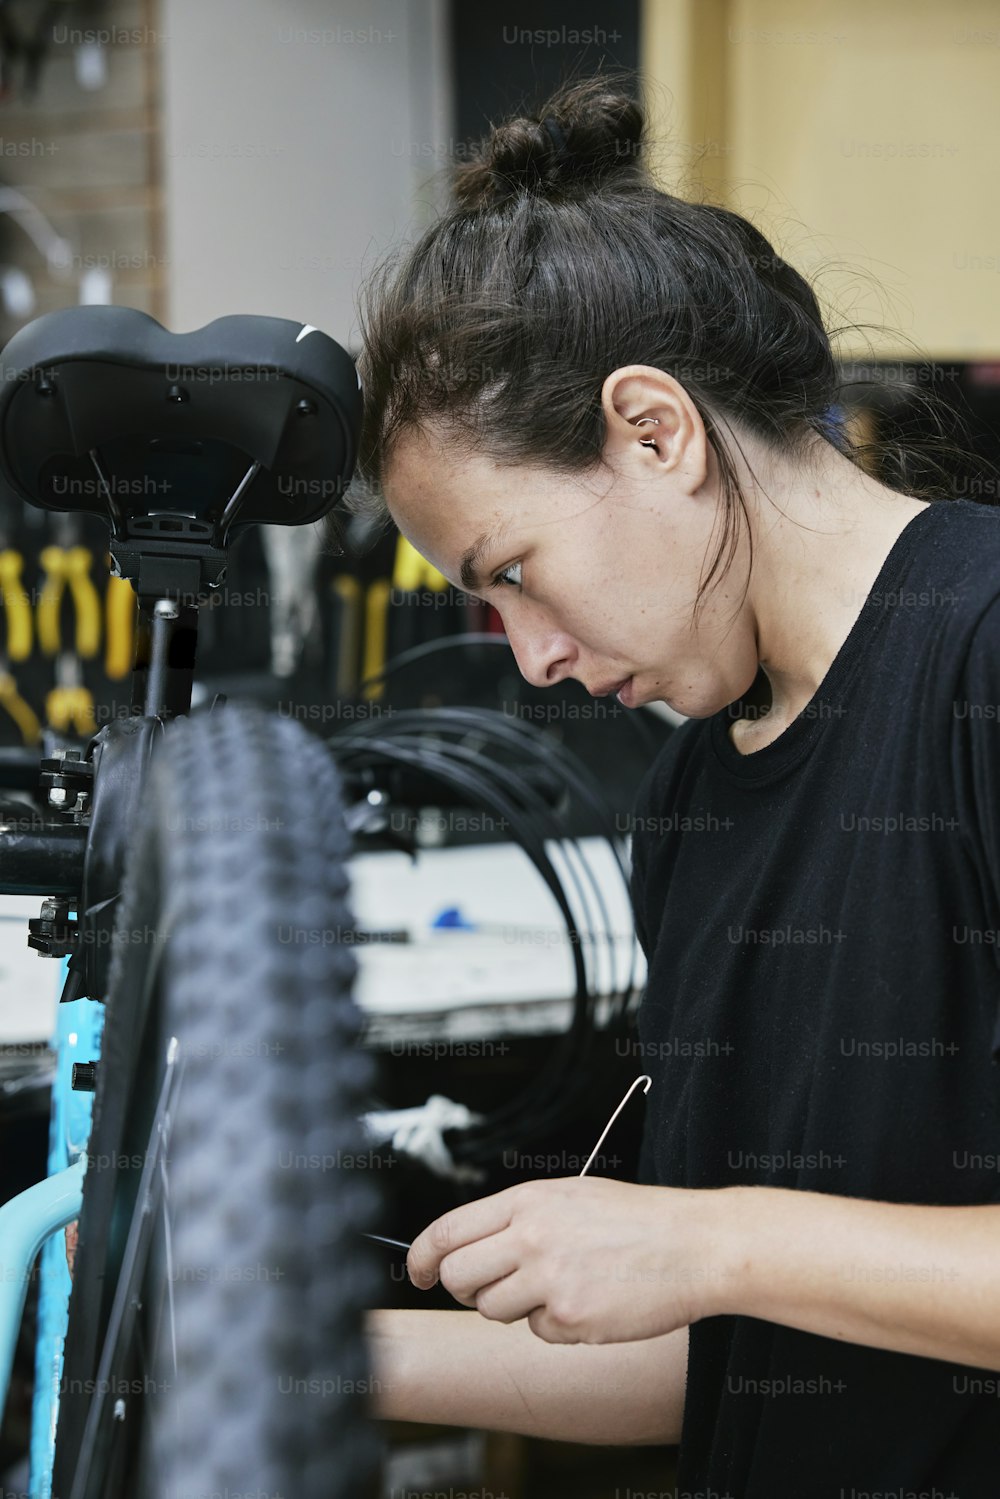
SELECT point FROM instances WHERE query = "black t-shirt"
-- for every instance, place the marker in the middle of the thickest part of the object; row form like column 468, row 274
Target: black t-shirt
column 822, row 923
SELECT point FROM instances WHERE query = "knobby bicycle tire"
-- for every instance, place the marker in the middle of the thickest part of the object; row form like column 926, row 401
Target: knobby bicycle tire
column 233, row 937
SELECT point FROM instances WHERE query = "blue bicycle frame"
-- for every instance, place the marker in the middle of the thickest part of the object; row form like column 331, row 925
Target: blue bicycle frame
column 31, row 1221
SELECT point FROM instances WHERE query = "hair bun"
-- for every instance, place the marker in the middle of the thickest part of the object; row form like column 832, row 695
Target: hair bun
column 586, row 135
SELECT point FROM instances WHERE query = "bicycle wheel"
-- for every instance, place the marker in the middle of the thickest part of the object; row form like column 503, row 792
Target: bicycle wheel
column 216, row 1338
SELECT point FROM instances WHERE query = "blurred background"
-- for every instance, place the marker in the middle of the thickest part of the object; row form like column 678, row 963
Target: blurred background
column 262, row 156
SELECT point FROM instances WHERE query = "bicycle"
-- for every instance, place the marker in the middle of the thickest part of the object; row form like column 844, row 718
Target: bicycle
column 211, row 1281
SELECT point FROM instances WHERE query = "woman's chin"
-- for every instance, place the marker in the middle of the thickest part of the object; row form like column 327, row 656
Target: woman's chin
column 690, row 705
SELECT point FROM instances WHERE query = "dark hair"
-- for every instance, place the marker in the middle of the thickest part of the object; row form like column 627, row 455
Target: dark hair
column 560, row 261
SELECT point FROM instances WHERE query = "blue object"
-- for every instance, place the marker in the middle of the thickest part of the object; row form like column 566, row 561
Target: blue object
column 451, row 918
column 25, row 1223
column 77, row 1038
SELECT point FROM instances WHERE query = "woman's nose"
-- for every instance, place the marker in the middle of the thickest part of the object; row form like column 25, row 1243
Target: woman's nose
column 543, row 657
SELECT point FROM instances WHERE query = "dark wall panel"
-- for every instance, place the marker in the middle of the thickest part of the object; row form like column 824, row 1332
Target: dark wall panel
column 510, row 55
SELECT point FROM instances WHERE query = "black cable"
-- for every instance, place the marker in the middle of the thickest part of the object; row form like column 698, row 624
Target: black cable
column 577, row 776
column 568, row 1063
column 528, row 795
column 536, row 851
column 582, row 783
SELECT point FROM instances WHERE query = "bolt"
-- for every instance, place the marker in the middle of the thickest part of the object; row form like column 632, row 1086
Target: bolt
column 84, row 1077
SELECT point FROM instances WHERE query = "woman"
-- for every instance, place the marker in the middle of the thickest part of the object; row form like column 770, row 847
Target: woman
column 611, row 413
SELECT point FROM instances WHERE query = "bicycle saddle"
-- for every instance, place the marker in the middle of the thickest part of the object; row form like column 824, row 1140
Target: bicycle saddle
column 180, row 440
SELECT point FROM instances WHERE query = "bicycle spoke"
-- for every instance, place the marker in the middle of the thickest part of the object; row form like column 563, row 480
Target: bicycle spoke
column 126, row 1302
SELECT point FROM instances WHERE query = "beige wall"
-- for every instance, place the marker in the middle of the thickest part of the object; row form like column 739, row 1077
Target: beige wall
column 861, row 136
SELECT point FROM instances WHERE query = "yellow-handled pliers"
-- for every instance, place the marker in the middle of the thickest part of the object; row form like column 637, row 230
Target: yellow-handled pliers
column 22, row 713
column 119, row 628
column 68, row 565
column 376, row 632
column 17, row 606
column 347, row 604
column 69, row 708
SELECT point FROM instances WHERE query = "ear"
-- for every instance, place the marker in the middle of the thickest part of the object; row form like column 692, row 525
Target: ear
column 651, row 420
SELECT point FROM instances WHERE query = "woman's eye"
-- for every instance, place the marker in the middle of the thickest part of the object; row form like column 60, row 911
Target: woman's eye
column 505, row 576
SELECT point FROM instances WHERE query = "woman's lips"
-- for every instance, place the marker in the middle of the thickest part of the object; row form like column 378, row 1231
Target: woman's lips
column 622, row 690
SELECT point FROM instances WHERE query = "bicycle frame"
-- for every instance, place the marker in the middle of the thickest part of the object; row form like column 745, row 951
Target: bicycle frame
column 78, row 1030
column 25, row 1223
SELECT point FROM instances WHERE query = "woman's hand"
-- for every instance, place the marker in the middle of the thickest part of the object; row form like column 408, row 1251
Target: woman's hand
column 585, row 1259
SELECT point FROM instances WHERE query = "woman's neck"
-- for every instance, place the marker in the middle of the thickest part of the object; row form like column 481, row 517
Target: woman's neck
column 819, row 545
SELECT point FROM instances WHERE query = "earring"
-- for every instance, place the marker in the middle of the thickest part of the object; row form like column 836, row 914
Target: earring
column 647, row 442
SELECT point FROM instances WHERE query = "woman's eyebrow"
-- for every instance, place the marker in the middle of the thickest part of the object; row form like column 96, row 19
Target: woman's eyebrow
column 468, row 568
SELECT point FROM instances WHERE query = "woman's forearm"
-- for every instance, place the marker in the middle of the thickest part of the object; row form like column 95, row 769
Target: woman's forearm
column 458, row 1369
column 906, row 1277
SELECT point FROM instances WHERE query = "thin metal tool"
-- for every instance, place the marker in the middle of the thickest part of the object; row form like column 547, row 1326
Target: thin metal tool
column 614, row 1116
column 398, row 1243
column 381, row 1239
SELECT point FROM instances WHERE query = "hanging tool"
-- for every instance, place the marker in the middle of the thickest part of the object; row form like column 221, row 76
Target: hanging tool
column 292, row 553
column 68, row 565
column 120, row 605
column 69, row 705
column 17, row 605
column 346, row 634
column 18, row 634
column 376, row 630
column 16, row 708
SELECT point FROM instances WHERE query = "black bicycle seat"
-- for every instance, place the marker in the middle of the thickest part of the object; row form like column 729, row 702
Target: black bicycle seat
column 104, row 410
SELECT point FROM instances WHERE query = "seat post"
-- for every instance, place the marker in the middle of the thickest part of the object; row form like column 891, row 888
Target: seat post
column 173, row 567
column 165, row 649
